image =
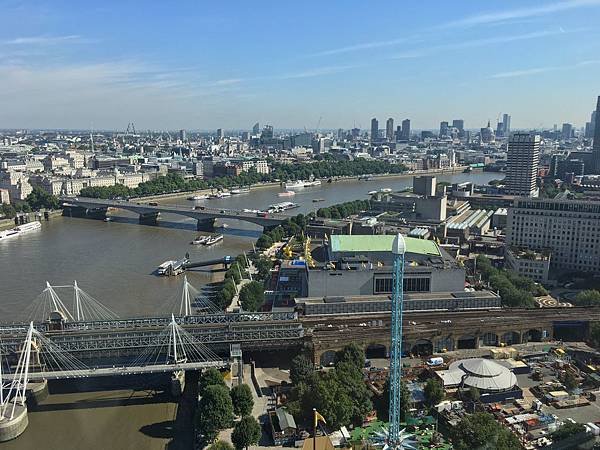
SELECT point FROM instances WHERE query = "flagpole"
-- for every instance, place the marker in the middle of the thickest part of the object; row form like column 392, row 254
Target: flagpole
column 314, row 428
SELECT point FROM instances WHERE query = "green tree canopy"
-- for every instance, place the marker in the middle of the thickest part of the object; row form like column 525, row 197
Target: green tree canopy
column 434, row 392
column 567, row 430
column 39, row 199
column 221, row 445
column 252, row 296
column 245, row 433
column 353, row 354
column 215, row 411
column 382, row 402
column 210, row 377
column 301, row 369
column 241, row 397
column 590, row 297
column 480, row 431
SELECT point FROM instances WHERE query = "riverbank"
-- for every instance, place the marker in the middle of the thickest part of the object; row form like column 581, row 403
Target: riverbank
column 7, row 224
column 410, row 174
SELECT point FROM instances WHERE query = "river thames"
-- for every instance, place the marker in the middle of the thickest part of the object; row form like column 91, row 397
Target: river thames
column 115, row 261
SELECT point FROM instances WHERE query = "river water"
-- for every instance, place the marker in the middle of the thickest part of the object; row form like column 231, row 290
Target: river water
column 115, row 261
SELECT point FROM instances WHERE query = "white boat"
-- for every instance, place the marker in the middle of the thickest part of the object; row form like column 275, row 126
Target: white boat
column 372, row 192
column 283, row 206
column 240, row 191
column 294, row 184
column 246, row 210
column 26, row 227
column 198, row 197
column 286, row 194
column 107, row 219
column 385, row 190
column 162, row 269
column 312, row 183
column 7, row 234
column 220, row 195
column 200, row 240
column 214, row 239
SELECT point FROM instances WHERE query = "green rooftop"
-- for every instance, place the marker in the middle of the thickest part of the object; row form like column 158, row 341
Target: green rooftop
column 381, row 243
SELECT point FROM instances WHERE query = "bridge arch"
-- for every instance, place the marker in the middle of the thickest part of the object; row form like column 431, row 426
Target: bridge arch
column 374, row 351
column 444, row 344
column 532, row 335
column 328, row 358
column 422, row 347
column 466, row 341
column 489, row 338
column 511, row 337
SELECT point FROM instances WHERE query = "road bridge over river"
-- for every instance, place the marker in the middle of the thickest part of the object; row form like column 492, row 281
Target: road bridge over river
column 148, row 214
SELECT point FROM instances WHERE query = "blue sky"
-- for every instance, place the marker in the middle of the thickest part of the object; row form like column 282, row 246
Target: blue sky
column 203, row 65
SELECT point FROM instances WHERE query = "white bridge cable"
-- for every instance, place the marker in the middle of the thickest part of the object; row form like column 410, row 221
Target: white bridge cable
column 174, row 345
column 187, row 301
column 85, row 307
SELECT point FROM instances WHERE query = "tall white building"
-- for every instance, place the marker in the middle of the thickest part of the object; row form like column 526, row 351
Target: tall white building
column 522, row 164
column 570, row 229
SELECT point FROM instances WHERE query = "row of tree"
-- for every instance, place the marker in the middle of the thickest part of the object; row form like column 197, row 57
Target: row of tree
column 344, row 210
column 514, row 289
column 237, row 270
column 280, row 172
column 217, row 407
column 37, row 200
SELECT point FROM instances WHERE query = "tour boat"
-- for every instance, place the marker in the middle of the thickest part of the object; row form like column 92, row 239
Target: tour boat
column 294, row 184
column 240, row 191
column 198, row 197
column 200, row 240
column 214, row 239
column 286, row 194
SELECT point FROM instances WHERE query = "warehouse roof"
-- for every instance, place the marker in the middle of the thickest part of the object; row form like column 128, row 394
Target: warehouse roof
column 381, row 243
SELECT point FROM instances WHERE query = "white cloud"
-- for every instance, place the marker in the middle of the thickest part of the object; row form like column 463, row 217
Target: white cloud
column 538, row 70
column 519, row 13
column 43, row 40
column 361, row 46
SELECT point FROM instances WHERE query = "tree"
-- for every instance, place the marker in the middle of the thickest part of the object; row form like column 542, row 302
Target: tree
column 588, row 297
column 595, row 333
column 382, row 402
column 474, row 394
column 39, row 199
column 245, row 433
column 434, row 392
column 567, row 430
column 221, row 445
column 353, row 354
column 300, row 369
column 210, row 377
column 241, row 397
column 252, row 296
column 215, row 411
column 480, row 431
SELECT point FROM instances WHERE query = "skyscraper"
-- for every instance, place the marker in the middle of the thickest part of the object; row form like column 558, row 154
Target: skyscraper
column 567, row 131
column 220, row 133
column 398, row 133
column 389, row 130
column 374, row 129
column 443, row 129
column 406, row 130
column 506, row 124
column 256, row 129
column 459, row 124
column 182, row 135
column 596, row 148
column 522, row 164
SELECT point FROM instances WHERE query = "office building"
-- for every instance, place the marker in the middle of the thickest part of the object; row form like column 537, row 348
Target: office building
column 459, row 124
column 568, row 229
column 596, row 148
column 406, row 130
column 424, row 185
column 506, row 124
column 220, row 133
column 374, row 129
column 522, row 164
column 256, row 129
column 389, row 130
column 398, row 133
column 182, row 136
column 443, row 129
column 567, row 131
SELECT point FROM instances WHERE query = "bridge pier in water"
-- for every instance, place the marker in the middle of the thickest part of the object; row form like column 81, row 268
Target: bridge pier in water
column 206, row 224
column 89, row 213
column 149, row 218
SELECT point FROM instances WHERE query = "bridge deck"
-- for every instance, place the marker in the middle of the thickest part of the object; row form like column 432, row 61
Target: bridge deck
column 112, row 371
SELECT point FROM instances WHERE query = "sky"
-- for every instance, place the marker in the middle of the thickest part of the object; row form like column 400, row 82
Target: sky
column 202, row 65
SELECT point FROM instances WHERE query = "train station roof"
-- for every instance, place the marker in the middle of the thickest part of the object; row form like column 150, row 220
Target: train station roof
column 381, row 243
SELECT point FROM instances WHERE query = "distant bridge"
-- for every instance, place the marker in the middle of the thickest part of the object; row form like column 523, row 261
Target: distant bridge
column 148, row 214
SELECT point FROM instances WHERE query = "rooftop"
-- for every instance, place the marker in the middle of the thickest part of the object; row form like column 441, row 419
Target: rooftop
column 381, row 243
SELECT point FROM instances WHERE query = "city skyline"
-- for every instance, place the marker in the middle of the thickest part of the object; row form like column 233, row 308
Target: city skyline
column 206, row 67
